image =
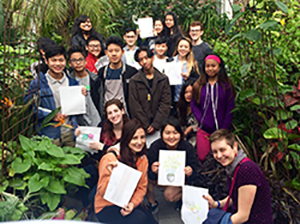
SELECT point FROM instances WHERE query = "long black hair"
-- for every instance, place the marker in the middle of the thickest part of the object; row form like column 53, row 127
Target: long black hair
column 182, row 104
column 176, row 30
column 76, row 29
column 126, row 155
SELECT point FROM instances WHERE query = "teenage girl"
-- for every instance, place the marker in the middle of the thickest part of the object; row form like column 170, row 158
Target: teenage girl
column 213, row 100
column 172, row 32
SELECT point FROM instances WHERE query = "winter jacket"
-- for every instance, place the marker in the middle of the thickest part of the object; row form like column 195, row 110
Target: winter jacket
column 149, row 105
column 44, row 104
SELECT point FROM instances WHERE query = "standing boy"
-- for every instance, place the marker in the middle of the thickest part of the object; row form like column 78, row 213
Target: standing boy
column 85, row 78
column 93, row 48
column 130, row 38
column 160, row 59
column 113, row 79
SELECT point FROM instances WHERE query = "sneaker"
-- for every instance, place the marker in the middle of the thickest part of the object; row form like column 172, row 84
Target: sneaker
column 178, row 205
column 153, row 208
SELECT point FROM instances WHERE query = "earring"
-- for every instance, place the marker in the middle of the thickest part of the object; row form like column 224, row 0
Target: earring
column 235, row 154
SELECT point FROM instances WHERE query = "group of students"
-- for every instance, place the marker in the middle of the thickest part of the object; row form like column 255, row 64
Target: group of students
column 193, row 117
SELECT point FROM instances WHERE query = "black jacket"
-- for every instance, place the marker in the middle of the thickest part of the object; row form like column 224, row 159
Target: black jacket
column 190, row 158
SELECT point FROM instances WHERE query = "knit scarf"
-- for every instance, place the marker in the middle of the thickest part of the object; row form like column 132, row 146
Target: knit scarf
column 231, row 168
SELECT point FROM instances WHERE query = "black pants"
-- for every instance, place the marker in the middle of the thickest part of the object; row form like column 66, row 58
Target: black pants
column 112, row 215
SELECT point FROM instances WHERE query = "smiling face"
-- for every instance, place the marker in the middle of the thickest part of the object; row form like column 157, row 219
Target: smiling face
column 169, row 21
column 145, row 61
column 160, row 49
column 212, row 68
column 130, row 38
column 56, row 65
column 223, row 152
column 188, row 94
column 77, row 62
column 114, row 52
column 114, row 114
column 138, row 141
column 183, row 48
column 94, row 47
column 171, row 137
column 158, row 26
column 86, row 26
column 195, row 32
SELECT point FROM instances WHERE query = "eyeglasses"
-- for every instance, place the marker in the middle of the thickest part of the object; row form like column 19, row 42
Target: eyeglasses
column 94, row 46
column 195, row 31
column 76, row 60
column 130, row 37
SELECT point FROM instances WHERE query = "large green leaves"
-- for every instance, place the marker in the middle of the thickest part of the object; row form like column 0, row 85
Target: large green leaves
column 21, row 166
column 275, row 133
column 56, row 186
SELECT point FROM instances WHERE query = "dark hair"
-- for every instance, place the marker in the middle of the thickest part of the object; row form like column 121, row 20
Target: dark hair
column 162, row 33
column 203, row 79
column 108, row 128
column 130, row 29
column 176, row 30
column 91, row 38
column 182, row 105
column 126, row 155
column 75, row 28
column 44, row 42
column 223, row 134
column 139, row 50
column 196, row 23
column 75, row 49
column 114, row 40
column 55, row 50
column 161, row 40
column 173, row 122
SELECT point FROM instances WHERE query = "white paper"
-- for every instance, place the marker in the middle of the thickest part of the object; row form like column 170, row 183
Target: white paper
column 103, row 61
column 171, row 168
column 173, row 71
column 86, row 136
column 194, row 207
column 145, row 27
column 72, row 100
column 151, row 138
column 121, row 185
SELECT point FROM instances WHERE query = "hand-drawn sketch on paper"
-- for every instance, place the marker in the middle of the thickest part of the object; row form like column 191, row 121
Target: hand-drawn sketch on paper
column 194, row 206
column 86, row 136
column 121, row 185
column 171, row 168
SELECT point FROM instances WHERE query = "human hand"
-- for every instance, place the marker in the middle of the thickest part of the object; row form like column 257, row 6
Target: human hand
column 77, row 132
column 155, row 167
column 111, row 165
column 211, row 202
column 138, row 32
column 96, row 145
column 188, row 171
column 150, row 130
column 185, row 75
column 154, row 33
column 188, row 130
column 84, row 91
column 127, row 209
column 59, row 116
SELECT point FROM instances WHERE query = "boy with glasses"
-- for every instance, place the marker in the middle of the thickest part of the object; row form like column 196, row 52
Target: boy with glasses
column 130, row 38
column 93, row 48
column 200, row 48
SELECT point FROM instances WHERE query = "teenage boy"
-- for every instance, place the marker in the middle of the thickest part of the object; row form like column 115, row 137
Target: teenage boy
column 112, row 81
column 200, row 48
column 130, row 38
column 45, row 91
column 93, row 48
column 85, row 78
column 160, row 59
column 149, row 93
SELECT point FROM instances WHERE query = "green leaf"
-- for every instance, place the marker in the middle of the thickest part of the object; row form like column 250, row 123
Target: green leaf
column 291, row 124
column 244, row 69
column 70, row 159
column 283, row 114
column 282, row 6
column 254, row 35
column 270, row 24
column 20, row 166
column 295, row 147
column 18, row 184
column 34, row 183
column 77, row 180
column 236, row 8
column 55, row 186
column 295, row 155
column 26, row 143
column 295, row 107
column 4, row 185
column 55, row 151
column 247, row 93
column 53, row 202
column 73, row 150
column 46, row 166
column 274, row 133
column 49, row 117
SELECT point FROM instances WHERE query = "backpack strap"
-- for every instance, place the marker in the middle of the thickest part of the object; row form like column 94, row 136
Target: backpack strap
column 233, row 182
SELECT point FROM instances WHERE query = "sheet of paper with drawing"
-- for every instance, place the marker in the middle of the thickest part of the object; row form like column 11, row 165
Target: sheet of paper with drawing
column 173, row 71
column 72, row 100
column 145, row 27
column 121, row 185
column 171, row 168
column 86, row 136
column 194, row 206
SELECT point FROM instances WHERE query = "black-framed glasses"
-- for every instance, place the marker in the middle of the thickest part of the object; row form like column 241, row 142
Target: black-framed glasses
column 76, row 60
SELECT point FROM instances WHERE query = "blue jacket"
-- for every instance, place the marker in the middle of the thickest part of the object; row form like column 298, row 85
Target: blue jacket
column 44, row 104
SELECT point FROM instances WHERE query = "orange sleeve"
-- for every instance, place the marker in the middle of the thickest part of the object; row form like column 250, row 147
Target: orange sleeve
column 141, row 189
